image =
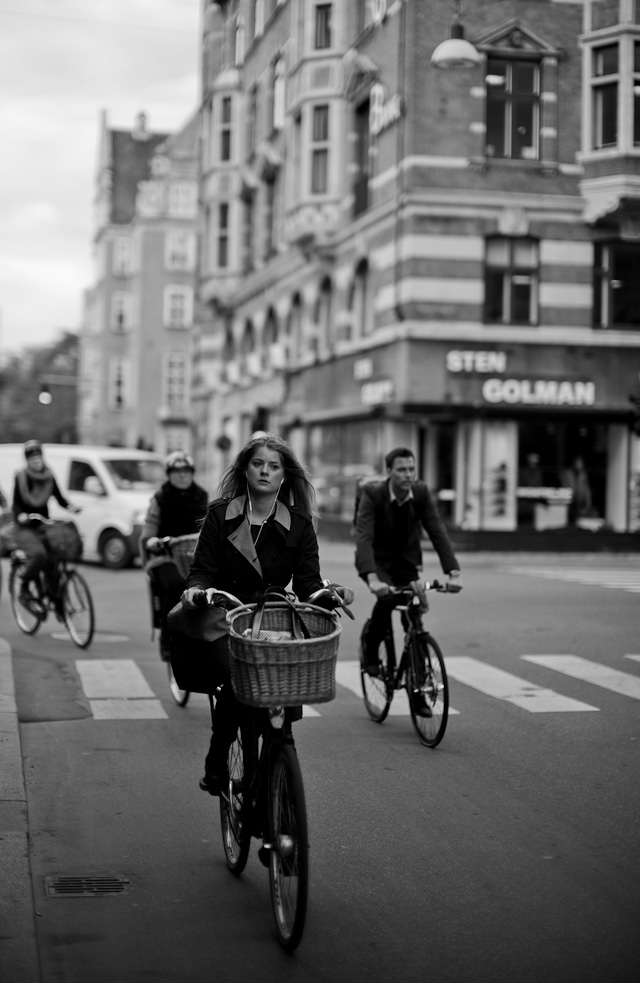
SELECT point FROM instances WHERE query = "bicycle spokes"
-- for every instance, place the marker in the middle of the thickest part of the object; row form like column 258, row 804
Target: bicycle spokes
column 427, row 689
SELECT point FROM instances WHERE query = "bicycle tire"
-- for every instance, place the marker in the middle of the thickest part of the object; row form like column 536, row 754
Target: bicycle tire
column 236, row 829
column 376, row 690
column 77, row 609
column 427, row 684
column 289, row 854
column 181, row 696
column 27, row 621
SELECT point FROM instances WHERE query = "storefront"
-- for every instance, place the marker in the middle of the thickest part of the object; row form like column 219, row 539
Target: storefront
column 508, row 437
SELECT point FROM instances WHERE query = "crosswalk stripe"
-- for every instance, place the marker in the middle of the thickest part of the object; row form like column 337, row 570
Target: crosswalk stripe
column 348, row 675
column 117, row 690
column 590, row 672
column 504, row 686
column 612, row 579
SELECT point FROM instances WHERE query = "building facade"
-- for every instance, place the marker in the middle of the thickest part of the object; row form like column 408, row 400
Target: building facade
column 135, row 342
column 396, row 254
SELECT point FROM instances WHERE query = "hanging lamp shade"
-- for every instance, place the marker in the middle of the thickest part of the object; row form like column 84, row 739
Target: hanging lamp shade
column 456, row 51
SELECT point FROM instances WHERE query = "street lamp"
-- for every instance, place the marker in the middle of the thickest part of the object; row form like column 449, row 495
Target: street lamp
column 456, row 51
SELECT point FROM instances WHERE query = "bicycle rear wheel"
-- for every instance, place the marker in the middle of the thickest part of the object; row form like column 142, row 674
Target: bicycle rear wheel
column 427, row 689
column 28, row 619
column 77, row 609
column 234, row 818
column 181, row 696
column 289, row 854
column 376, row 690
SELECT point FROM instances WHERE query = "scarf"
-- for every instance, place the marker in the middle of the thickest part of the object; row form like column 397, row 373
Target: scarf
column 36, row 487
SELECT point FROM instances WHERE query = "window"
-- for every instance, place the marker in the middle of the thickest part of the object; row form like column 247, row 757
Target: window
column 604, row 87
column 238, row 51
column 225, row 129
column 258, row 18
column 362, row 306
column 223, row 235
column 511, row 281
column 179, row 250
column 121, row 306
column 636, row 91
column 178, row 307
column 174, row 382
column 269, row 219
column 121, row 264
column 183, row 199
column 252, row 120
column 320, row 150
column 278, row 94
column 117, row 383
column 616, row 285
column 361, row 178
column 513, row 109
column 248, row 233
column 79, row 471
column 322, row 35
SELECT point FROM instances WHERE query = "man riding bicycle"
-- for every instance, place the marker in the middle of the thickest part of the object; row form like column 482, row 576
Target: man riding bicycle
column 388, row 547
column 34, row 486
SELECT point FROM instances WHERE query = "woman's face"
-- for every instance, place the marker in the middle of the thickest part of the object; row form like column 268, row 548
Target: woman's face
column 181, row 478
column 36, row 461
column 265, row 472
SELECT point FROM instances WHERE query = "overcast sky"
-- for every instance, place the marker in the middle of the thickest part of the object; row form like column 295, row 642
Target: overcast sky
column 61, row 63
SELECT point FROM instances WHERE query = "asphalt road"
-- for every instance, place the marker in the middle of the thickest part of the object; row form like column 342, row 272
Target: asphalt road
column 508, row 853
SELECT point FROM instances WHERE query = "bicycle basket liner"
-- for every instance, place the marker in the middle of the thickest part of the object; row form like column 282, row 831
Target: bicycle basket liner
column 276, row 669
column 64, row 540
column 182, row 550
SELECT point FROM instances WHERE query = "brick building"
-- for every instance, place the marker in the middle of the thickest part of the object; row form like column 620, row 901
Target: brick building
column 396, row 254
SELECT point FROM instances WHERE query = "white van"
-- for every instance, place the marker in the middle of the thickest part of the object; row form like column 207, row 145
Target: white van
column 112, row 485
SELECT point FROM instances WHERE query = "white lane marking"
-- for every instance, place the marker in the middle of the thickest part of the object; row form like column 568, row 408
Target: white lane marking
column 621, row 579
column 308, row 711
column 104, row 678
column 114, row 709
column 348, row 675
column 64, row 636
column 590, row 672
column 504, row 686
column 635, row 657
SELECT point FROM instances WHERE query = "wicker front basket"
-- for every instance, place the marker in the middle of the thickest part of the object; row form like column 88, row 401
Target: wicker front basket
column 182, row 550
column 278, row 670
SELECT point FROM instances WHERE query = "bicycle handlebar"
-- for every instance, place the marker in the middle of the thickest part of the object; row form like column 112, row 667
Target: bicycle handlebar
column 329, row 591
column 450, row 587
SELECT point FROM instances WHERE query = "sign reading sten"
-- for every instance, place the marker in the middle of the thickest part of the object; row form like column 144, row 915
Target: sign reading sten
column 518, row 391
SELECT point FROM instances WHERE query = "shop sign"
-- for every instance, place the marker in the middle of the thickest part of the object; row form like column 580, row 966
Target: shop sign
column 539, row 392
column 546, row 494
column 362, row 368
column 383, row 114
column 475, row 361
column 377, row 392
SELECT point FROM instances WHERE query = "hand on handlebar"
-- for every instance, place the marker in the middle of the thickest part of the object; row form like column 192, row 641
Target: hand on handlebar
column 377, row 586
column 153, row 544
column 197, row 597
column 333, row 596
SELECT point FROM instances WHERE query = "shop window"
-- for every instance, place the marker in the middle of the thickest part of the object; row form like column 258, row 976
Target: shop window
column 616, row 285
column 320, row 150
column 513, row 109
column 511, row 281
column 604, row 89
column 322, row 32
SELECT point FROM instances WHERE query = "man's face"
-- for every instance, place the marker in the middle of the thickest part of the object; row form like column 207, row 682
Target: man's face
column 402, row 476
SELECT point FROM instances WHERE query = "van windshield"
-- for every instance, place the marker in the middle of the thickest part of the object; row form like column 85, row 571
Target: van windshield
column 135, row 474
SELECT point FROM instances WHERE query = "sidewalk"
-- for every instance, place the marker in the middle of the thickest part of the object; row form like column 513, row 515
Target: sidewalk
column 18, row 947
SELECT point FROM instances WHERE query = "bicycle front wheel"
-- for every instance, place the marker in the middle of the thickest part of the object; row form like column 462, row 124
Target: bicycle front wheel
column 77, row 609
column 289, row 854
column 181, row 696
column 234, row 808
column 377, row 690
column 28, row 619
column 428, row 690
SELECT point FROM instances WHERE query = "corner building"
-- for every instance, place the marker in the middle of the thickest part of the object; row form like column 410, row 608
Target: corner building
column 393, row 253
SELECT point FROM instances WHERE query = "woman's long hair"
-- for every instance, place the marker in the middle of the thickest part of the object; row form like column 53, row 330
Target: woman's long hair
column 296, row 488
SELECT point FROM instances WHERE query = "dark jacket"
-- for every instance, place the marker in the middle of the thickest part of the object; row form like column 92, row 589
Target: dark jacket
column 226, row 557
column 377, row 546
column 20, row 504
column 175, row 511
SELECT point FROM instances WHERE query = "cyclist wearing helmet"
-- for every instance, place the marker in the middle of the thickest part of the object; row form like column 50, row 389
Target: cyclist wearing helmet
column 34, row 485
column 176, row 509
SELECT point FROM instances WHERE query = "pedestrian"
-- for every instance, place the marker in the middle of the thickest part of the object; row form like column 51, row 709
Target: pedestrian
column 259, row 533
column 577, row 479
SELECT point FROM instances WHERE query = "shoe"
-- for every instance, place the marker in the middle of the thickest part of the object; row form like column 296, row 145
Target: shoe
column 31, row 603
column 373, row 670
column 213, row 784
column 420, row 706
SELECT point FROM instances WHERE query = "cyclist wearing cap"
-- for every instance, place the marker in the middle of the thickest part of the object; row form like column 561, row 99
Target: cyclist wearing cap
column 34, row 485
column 176, row 509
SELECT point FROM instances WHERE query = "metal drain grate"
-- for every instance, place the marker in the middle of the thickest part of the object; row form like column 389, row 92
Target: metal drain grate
column 85, row 887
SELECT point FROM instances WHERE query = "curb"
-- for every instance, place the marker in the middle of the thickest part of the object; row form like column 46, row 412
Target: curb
column 18, row 942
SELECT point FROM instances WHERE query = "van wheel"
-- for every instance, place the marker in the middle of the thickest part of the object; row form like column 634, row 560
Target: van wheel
column 114, row 551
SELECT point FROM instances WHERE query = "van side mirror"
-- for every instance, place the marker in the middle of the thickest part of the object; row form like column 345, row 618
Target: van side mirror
column 93, row 486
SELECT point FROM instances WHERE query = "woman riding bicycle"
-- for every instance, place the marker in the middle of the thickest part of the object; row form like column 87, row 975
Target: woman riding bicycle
column 176, row 509
column 34, row 486
column 258, row 534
